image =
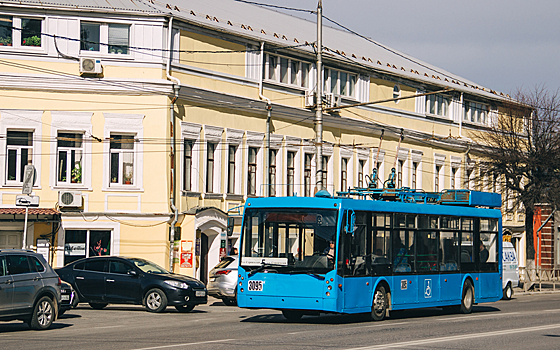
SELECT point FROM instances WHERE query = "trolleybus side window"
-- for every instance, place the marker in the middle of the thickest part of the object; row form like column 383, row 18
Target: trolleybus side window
column 467, row 244
column 449, row 243
column 354, row 246
column 426, row 244
column 403, row 238
column 488, row 245
column 381, row 244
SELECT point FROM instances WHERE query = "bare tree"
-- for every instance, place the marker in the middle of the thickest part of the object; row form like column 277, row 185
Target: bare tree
column 522, row 150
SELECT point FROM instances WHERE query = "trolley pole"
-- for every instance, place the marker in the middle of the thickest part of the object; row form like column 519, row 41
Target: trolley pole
column 319, row 112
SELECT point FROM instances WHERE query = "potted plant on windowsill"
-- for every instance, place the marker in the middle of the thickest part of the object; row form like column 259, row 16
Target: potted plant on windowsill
column 7, row 41
column 77, row 173
column 127, row 179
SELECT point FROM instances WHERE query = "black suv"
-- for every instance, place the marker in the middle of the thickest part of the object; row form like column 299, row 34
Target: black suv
column 29, row 289
column 105, row 280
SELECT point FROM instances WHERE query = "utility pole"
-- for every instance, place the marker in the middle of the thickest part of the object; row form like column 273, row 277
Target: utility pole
column 319, row 185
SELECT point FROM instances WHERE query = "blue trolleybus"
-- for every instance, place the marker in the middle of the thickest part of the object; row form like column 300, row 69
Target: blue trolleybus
column 370, row 252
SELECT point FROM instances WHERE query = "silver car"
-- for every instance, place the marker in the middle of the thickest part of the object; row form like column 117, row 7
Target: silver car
column 223, row 280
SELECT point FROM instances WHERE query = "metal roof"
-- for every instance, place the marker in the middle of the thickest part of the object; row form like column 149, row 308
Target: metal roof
column 263, row 24
column 90, row 5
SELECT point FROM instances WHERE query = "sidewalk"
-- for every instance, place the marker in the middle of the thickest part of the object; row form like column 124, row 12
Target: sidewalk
column 544, row 288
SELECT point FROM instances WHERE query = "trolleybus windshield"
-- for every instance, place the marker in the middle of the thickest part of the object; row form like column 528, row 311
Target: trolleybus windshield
column 288, row 240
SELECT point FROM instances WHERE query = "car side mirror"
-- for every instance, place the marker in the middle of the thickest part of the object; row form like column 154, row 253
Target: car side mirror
column 132, row 273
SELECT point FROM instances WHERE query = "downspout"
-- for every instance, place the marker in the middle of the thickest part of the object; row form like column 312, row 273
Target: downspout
column 176, row 88
column 461, row 118
column 268, row 120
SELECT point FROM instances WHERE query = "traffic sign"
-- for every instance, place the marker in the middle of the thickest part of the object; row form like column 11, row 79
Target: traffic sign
column 28, row 179
column 27, row 201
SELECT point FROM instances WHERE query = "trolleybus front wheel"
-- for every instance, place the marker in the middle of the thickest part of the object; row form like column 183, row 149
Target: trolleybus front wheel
column 379, row 307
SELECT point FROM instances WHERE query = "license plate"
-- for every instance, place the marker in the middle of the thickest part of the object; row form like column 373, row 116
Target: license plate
column 255, row 286
column 64, row 297
column 200, row 293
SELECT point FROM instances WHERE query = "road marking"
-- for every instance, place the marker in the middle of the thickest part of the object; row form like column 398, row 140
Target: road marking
column 186, row 344
column 350, row 328
column 458, row 337
column 108, row 327
column 477, row 316
column 552, row 310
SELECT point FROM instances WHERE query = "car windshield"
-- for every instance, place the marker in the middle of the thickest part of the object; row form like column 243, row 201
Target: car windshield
column 289, row 240
column 148, row 267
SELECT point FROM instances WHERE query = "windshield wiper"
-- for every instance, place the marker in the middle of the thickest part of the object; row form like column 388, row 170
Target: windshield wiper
column 264, row 266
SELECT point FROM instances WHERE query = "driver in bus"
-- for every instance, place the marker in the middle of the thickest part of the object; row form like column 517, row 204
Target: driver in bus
column 329, row 252
column 483, row 253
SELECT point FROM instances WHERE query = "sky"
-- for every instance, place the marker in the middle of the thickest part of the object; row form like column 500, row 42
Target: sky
column 504, row 45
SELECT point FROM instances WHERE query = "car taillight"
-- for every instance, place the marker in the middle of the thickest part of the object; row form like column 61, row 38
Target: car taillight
column 223, row 272
column 59, row 282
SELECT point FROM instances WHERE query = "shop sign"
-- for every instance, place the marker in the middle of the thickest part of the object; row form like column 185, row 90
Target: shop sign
column 186, row 260
column 74, row 249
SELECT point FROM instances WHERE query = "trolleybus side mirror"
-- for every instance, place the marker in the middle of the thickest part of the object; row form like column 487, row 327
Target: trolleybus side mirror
column 350, row 222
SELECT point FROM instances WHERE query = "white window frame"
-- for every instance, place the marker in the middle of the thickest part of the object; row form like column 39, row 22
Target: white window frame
column 293, row 144
column 435, row 100
column 69, row 169
column 255, row 140
column 234, row 138
column 16, row 34
column 122, row 152
column 213, row 134
column 72, row 122
column 439, row 176
column 104, row 38
column 476, row 112
column 192, row 132
column 19, row 150
column 125, row 124
column 21, row 120
column 338, row 90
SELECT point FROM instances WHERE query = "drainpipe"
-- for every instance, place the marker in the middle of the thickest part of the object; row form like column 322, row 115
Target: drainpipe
column 176, row 88
column 461, row 118
column 268, row 119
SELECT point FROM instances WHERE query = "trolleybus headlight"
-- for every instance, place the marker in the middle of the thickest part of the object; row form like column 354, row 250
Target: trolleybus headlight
column 329, row 287
column 328, row 294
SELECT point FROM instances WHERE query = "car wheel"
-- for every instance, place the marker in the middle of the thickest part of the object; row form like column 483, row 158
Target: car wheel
column 155, row 300
column 76, row 301
column 467, row 300
column 43, row 314
column 379, row 307
column 508, row 292
column 292, row 315
column 184, row 308
column 98, row 306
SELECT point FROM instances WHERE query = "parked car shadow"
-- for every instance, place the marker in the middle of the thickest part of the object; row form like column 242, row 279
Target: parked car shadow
column 20, row 326
column 68, row 315
column 134, row 308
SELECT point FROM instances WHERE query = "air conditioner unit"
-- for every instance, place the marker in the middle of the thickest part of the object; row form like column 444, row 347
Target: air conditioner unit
column 69, row 199
column 309, row 98
column 90, row 65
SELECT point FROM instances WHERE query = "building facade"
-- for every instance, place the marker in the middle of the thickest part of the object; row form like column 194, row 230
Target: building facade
column 147, row 123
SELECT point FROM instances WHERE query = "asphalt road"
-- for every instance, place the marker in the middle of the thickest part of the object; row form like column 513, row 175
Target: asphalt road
column 526, row 322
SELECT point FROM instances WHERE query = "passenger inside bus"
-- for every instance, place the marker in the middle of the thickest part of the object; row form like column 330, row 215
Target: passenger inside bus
column 483, row 253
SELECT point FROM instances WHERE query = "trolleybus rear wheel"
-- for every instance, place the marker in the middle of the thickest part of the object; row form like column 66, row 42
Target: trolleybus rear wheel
column 292, row 315
column 468, row 298
column 379, row 307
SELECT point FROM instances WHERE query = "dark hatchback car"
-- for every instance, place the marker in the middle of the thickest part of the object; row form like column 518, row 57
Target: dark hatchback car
column 121, row 280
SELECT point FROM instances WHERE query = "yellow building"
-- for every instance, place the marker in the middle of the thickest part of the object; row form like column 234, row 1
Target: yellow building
column 144, row 116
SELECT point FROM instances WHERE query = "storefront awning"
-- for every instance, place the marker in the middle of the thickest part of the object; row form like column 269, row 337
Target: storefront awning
column 34, row 214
